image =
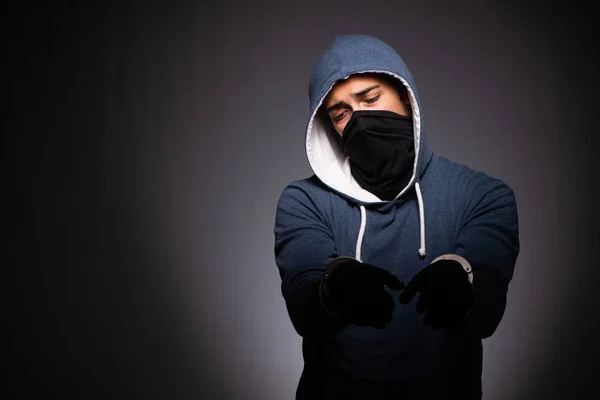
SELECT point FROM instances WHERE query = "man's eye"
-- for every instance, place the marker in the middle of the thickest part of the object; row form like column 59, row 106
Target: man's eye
column 340, row 116
column 372, row 100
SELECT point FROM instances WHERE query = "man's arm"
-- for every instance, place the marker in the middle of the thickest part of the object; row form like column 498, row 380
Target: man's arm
column 489, row 240
column 303, row 247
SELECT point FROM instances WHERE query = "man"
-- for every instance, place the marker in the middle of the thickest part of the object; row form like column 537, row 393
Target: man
column 395, row 262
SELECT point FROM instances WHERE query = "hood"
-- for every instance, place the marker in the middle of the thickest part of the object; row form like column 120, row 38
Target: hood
column 347, row 55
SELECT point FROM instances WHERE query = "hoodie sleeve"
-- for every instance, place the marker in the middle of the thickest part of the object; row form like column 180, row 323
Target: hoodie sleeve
column 303, row 246
column 489, row 240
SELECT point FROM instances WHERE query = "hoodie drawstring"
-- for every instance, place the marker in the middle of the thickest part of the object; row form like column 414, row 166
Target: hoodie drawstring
column 422, row 251
column 361, row 232
column 363, row 224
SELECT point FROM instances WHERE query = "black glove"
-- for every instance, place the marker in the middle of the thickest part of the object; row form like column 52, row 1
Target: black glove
column 355, row 291
column 446, row 294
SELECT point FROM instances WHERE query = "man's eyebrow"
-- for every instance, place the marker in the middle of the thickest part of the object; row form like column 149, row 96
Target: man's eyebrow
column 365, row 91
column 343, row 104
column 339, row 104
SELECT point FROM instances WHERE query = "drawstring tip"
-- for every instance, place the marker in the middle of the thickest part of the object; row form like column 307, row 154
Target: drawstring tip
column 422, row 252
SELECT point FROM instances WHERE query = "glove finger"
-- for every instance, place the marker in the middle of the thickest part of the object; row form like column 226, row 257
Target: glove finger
column 393, row 282
column 407, row 295
column 385, row 301
column 382, row 276
column 414, row 285
column 390, row 280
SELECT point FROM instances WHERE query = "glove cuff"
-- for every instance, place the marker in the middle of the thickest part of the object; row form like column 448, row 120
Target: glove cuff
column 459, row 259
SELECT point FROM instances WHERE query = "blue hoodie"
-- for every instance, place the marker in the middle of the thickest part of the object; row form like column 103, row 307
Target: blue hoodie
column 447, row 209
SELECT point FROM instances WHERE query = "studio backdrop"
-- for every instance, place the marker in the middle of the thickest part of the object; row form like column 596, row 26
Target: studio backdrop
column 149, row 143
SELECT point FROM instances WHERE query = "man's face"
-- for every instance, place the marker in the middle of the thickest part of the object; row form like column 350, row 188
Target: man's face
column 362, row 92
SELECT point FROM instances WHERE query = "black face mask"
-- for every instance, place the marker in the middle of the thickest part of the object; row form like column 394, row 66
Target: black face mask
column 380, row 145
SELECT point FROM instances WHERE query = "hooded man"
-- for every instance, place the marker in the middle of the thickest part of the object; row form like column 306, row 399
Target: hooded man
column 395, row 262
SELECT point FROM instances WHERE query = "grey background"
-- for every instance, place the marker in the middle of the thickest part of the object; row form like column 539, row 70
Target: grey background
column 146, row 145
